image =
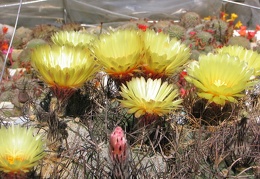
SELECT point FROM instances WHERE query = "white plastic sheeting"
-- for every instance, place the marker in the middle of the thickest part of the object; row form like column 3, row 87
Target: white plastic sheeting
column 35, row 12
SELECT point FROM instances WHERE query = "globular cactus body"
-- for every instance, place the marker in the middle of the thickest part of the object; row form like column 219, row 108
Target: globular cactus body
column 175, row 31
column 240, row 41
column 220, row 29
column 190, row 19
column 204, row 37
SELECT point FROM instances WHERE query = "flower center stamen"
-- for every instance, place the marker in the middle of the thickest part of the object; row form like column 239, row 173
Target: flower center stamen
column 219, row 83
column 11, row 159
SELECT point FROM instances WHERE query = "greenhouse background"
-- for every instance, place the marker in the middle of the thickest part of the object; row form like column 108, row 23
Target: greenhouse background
column 35, row 12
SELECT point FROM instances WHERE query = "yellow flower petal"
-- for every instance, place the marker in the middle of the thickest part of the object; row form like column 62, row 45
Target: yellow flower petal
column 64, row 66
column 207, row 18
column 220, row 77
column 238, row 24
column 19, row 149
column 72, row 38
column 119, row 52
column 249, row 56
column 149, row 97
column 163, row 56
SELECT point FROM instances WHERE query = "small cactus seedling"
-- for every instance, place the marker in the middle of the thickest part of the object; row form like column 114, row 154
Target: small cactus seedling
column 195, row 54
column 219, row 28
column 208, row 48
column 204, row 38
column 24, row 59
column 190, row 19
column 161, row 25
column 175, row 31
column 44, row 31
column 71, row 27
column 239, row 40
column 257, row 48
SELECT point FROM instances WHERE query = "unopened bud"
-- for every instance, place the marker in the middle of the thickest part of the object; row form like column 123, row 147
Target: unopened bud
column 118, row 146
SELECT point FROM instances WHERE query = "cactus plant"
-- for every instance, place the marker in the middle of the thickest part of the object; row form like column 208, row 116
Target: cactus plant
column 175, row 31
column 190, row 19
column 44, row 31
column 240, row 41
column 219, row 28
column 205, row 38
column 160, row 25
column 71, row 27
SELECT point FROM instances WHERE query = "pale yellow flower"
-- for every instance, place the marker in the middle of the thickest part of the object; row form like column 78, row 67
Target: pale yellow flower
column 119, row 52
column 19, row 149
column 249, row 56
column 72, row 38
column 220, row 78
column 64, row 66
column 149, row 97
column 163, row 56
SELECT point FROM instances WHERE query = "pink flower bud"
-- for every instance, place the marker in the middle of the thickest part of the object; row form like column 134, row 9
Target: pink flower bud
column 118, row 146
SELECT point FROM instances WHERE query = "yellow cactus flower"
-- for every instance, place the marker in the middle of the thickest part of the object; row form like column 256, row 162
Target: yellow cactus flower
column 150, row 97
column 163, row 56
column 238, row 24
column 63, row 67
column 223, row 16
column 249, row 56
column 19, row 149
column 208, row 18
column 119, row 53
column 233, row 17
column 72, row 38
column 220, row 78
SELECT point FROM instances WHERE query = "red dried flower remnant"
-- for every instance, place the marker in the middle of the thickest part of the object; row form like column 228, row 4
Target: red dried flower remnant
column 4, row 46
column 250, row 35
column 4, row 49
column 142, row 27
column 4, row 30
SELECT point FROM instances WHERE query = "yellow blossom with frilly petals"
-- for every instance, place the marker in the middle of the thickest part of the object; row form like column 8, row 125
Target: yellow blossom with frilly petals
column 149, row 97
column 119, row 52
column 19, row 149
column 72, row 38
column 163, row 56
column 249, row 56
column 220, row 77
column 64, row 66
